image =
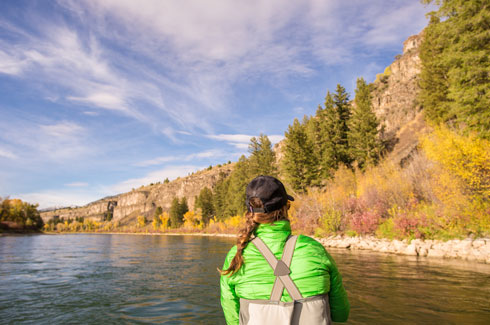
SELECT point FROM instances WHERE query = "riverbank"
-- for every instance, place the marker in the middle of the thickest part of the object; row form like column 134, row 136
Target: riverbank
column 467, row 249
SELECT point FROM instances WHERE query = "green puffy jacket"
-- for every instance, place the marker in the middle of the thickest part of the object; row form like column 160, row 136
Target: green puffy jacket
column 313, row 271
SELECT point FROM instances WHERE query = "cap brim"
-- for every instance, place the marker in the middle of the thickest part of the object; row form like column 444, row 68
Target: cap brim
column 290, row 198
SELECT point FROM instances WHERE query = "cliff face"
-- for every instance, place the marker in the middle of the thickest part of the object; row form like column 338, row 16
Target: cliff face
column 395, row 102
column 395, row 91
column 145, row 200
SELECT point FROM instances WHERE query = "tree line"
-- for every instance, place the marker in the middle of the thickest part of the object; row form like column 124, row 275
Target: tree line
column 340, row 133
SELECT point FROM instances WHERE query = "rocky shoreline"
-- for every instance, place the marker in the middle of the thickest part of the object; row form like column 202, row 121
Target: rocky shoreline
column 467, row 249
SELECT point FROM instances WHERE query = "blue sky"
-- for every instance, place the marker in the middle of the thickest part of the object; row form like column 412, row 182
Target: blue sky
column 98, row 97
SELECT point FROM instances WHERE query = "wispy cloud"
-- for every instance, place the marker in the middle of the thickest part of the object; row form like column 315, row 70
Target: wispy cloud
column 57, row 141
column 190, row 157
column 82, row 71
column 241, row 141
column 56, row 199
column 7, row 154
column 170, row 172
column 389, row 30
column 91, row 113
column 10, row 64
column 77, row 184
column 105, row 100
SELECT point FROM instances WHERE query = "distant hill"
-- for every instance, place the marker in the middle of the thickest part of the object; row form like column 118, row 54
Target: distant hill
column 144, row 200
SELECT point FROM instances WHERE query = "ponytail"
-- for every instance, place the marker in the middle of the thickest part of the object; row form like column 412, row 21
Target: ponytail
column 252, row 221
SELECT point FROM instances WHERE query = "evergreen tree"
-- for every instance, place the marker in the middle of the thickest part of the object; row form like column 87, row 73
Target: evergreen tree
column 329, row 137
column 205, row 202
column 363, row 138
column 239, row 179
column 299, row 162
column 433, row 82
column 158, row 212
column 455, row 54
column 314, row 132
column 333, row 126
column 220, row 197
column 262, row 159
column 342, row 106
column 176, row 217
column 183, row 207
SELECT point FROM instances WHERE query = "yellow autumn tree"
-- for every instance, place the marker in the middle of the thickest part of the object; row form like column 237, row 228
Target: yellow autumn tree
column 466, row 156
column 164, row 220
column 141, row 221
column 156, row 223
column 193, row 220
column 461, row 178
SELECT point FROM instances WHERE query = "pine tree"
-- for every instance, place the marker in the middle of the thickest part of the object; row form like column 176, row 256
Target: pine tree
column 329, row 137
column 205, row 202
column 183, row 207
column 455, row 53
column 239, row 179
column 176, row 217
column 333, row 125
column 220, row 197
column 314, row 131
column 156, row 217
column 342, row 106
column 433, row 76
column 262, row 159
column 299, row 162
column 363, row 138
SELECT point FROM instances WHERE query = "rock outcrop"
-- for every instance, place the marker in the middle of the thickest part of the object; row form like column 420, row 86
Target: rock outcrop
column 395, row 102
column 144, row 200
column 395, row 91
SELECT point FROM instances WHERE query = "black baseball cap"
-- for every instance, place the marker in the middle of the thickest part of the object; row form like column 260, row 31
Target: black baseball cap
column 270, row 191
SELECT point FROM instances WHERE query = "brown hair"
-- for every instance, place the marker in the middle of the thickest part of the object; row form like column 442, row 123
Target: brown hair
column 252, row 221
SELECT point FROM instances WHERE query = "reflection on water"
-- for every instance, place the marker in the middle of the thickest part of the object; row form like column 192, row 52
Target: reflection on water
column 95, row 279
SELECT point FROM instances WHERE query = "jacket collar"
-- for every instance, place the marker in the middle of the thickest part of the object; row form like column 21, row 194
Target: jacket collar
column 281, row 226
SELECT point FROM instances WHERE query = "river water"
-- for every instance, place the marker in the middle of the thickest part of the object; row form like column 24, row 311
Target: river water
column 114, row 279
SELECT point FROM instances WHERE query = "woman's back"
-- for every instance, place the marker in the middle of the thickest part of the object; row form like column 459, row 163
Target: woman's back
column 312, row 270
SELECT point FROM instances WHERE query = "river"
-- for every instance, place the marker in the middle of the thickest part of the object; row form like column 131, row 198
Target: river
column 114, row 279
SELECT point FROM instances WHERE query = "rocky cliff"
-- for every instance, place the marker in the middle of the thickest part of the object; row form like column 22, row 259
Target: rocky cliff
column 395, row 101
column 144, row 200
column 395, row 91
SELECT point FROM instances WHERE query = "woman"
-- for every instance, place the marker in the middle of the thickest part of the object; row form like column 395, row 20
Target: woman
column 248, row 276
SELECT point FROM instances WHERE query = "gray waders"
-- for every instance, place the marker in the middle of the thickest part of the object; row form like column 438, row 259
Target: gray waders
column 301, row 311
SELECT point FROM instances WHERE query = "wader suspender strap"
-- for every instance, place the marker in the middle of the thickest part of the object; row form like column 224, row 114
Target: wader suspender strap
column 281, row 268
